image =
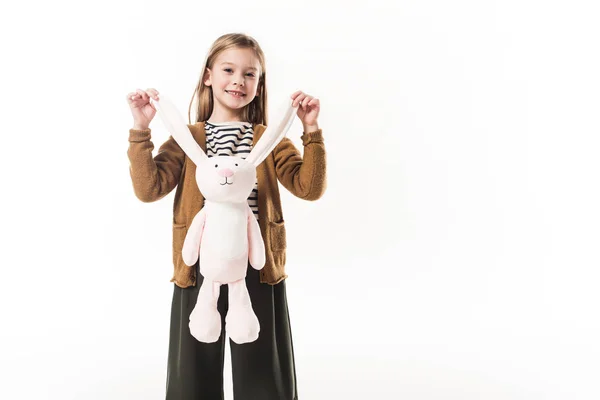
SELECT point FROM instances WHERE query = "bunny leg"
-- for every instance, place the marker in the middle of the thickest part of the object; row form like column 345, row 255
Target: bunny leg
column 205, row 320
column 241, row 322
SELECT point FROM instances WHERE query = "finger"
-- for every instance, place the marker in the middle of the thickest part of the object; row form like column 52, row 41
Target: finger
column 296, row 93
column 299, row 99
column 315, row 103
column 133, row 98
column 306, row 101
column 143, row 94
column 153, row 92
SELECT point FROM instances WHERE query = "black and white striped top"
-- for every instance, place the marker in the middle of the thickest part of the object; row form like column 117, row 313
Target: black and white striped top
column 228, row 139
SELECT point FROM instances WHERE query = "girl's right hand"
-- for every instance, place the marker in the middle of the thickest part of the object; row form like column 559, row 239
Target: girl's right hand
column 141, row 108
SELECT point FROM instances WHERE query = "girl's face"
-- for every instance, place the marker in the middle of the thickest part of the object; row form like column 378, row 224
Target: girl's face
column 234, row 79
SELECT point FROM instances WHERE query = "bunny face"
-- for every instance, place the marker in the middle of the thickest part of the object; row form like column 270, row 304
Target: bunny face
column 225, row 179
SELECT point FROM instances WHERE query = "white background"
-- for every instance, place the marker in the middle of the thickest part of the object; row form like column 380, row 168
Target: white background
column 453, row 256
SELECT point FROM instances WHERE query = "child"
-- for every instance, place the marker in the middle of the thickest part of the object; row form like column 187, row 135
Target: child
column 231, row 116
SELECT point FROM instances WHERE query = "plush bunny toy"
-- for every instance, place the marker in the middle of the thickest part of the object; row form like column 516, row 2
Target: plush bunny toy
column 224, row 235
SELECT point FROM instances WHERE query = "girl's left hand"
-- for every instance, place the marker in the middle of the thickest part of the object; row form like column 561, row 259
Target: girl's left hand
column 308, row 112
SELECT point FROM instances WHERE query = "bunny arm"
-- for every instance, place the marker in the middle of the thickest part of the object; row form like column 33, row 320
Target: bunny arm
column 191, row 244
column 256, row 245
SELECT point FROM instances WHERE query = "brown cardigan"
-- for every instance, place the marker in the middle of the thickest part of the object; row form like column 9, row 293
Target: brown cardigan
column 154, row 178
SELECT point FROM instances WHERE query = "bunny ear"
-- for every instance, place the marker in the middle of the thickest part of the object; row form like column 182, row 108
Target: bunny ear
column 273, row 134
column 176, row 126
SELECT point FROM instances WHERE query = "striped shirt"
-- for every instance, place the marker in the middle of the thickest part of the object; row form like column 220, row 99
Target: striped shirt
column 229, row 139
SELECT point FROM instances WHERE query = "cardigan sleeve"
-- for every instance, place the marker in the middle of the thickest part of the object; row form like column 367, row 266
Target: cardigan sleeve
column 304, row 176
column 153, row 178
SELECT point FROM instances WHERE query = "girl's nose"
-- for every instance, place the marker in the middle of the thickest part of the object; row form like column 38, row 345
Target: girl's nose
column 226, row 172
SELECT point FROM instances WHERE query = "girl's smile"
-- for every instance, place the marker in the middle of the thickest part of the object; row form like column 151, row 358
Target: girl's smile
column 236, row 93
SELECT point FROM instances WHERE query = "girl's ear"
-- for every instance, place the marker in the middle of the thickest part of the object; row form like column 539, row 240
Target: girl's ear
column 207, row 77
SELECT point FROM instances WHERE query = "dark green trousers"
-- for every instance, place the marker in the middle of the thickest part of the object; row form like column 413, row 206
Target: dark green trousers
column 261, row 370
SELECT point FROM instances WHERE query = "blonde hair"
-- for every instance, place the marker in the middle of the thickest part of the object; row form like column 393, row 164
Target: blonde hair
column 256, row 111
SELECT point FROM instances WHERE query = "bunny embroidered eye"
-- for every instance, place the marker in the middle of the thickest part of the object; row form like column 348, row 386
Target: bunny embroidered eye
column 216, row 165
column 236, row 165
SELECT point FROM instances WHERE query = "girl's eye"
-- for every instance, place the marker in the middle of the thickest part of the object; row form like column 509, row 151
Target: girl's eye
column 230, row 71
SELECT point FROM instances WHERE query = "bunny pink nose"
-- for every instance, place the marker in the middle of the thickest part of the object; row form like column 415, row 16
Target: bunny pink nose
column 226, row 172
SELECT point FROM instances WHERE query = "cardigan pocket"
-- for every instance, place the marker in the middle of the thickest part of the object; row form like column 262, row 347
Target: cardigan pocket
column 278, row 236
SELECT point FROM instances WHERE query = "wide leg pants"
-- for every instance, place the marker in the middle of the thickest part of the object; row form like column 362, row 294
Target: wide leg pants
column 261, row 370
